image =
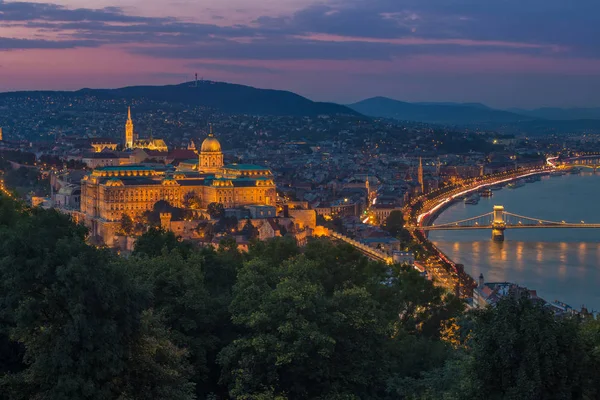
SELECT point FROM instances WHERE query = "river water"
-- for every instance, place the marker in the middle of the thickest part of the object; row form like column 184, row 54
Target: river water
column 561, row 264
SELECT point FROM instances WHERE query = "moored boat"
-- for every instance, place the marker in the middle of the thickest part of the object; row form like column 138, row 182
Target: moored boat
column 473, row 199
column 516, row 184
column 486, row 192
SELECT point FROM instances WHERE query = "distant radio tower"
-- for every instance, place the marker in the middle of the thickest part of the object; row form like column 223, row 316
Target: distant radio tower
column 196, row 79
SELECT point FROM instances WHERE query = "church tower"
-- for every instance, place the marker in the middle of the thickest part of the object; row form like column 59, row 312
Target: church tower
column 421, row 181
column 129, row 130
column 211, row 156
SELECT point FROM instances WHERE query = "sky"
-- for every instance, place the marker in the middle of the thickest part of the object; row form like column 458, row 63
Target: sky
column 504, row 53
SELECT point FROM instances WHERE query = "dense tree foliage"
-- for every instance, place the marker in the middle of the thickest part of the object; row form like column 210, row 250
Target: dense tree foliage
column 126, row 225
column 26, row 180
column 216, row 210
column 84, row 326
column 394, row 223
column 192, row 200
column 280, row 322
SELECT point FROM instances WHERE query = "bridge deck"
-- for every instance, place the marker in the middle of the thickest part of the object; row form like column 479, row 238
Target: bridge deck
column 523, row 226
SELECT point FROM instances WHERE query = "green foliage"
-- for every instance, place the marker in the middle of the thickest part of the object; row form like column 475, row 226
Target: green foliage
column 280, row 322
column 394, row 223
column 191, row 200
column 25, row 180
column 126, row 226
column 320, row 325
column 520, row 350
column 590, row 361
column 78, row 318
column 215, row 210
column 227, row 225
column 156, row 240
column 515, row 350
column 180, row 297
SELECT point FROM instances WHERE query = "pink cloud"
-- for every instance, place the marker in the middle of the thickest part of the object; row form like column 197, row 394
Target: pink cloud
column 417, row 41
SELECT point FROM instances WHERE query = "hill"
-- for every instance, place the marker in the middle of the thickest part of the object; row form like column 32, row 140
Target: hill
column 225, row 97
column 553, row 113
column 443, row 113
column 558, row 127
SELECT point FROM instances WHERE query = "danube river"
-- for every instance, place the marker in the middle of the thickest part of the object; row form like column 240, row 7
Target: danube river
column 561, row 264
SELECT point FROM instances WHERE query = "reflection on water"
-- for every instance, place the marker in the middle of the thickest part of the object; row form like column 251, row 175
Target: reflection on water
column 562, row 264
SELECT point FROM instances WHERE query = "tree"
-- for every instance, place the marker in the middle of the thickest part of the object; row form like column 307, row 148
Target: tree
column 180, row 297
column 394, row 223
column 590, row 363
column 126, row 226
column 191, row 200
column 274, row 251
column 216, row 210
column 323, row 325
column 155, row 240
column 300, row 343
column 520, row 350
column 78, row 317
column 205, row 231
column 227, row 225
column 157, row 368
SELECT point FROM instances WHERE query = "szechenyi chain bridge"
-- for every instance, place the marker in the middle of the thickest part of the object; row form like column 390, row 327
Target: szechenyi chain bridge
column 499, row 220
column 422, row 211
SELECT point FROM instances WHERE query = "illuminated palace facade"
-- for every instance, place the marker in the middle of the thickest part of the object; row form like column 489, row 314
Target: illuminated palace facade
column 109, row 192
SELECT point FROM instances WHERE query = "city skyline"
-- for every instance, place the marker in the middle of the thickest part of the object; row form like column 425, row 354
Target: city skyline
column 504, row 55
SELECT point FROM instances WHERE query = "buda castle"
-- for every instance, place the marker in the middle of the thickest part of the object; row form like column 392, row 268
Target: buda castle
column 109, row 192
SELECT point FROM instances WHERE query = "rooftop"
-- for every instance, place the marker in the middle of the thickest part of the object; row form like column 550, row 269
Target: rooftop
column 136, row 167
column 245, row 167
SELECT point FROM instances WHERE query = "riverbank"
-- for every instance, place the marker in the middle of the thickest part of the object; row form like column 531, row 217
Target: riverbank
column 429, row 217
column 561, row 264
column 430, row 208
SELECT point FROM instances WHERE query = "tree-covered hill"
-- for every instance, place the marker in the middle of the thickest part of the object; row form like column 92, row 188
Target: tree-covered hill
column 224, row 97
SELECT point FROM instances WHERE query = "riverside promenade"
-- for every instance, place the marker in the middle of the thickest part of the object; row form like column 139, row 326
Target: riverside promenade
column 423, row 211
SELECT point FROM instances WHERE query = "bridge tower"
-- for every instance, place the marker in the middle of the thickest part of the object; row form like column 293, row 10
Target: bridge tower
column 498, row 224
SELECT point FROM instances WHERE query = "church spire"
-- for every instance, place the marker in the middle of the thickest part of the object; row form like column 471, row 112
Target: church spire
column 129, row 130
column 211, row 134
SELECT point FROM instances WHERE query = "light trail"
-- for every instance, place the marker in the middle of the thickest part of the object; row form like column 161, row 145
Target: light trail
column 471, row 190
column 551, row 161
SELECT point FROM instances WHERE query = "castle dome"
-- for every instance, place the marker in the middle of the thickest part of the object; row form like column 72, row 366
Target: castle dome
column 210, row 145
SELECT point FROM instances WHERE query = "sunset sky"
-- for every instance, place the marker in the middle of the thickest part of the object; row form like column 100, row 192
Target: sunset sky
column 524, row 53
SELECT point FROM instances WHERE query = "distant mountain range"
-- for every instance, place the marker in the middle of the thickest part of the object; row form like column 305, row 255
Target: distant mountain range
column 240, row 99
column 535, row 122
column 560, row 113
column 225, row 97
column 442, row 113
